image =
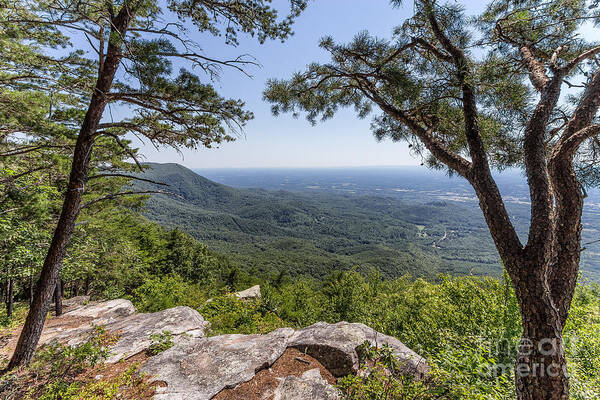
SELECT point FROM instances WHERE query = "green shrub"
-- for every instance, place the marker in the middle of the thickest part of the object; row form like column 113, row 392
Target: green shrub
column 160, row 342
column 159, row 293
column 227, row 314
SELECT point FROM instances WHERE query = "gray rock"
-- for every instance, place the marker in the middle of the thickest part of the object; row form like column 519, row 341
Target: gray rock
column 200, row 368
column 335, row 346
column 135, row 330
column 310, row 386
column 76, row 326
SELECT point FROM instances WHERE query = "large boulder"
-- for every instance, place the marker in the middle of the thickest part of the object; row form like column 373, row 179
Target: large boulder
column 309, row 386
column 135, row 331
column 102, row 312
column 336, row 347
column 200, row 368
column 224, row 366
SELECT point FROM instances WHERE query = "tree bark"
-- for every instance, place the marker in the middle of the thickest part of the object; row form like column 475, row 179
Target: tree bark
column 9, row 297
column 87, row 286
column 58, row 298
column 32, row 329
column 541, row 367
column 30, row 288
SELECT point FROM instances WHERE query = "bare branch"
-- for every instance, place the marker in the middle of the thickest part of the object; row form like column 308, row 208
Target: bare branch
column 127, row 176
column 583, row 56
column 129, row 193
column 124, row 147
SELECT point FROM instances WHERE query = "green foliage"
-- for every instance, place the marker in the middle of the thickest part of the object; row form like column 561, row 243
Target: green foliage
column 160, row 342
column 378, row 378
column 97, row 390
column 61, row 360
column 8, row 324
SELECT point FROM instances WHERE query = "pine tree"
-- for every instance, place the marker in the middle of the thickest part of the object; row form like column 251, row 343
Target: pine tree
column 135, row 47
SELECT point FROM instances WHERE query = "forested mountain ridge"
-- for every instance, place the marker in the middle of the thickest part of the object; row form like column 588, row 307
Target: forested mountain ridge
column 270, row 231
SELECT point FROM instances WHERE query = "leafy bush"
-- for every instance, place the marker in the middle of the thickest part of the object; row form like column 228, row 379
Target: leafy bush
column 378, row 378
column 227, row 314
column 159, row 293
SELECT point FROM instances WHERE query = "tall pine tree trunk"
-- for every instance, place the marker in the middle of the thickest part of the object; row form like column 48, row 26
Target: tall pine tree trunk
column 58, row 298
column 32, row 329
column 9, row 297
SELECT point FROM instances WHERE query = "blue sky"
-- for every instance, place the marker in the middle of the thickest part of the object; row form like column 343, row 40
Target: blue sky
column 283, row 141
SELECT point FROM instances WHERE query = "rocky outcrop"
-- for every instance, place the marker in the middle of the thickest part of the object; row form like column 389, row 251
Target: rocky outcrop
column 102, row 312
column 135, row 331
column 201, row 368
column 285, row 364
column 336, row 347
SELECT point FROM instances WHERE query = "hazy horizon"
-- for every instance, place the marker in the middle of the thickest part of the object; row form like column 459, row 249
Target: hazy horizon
column 284, row 141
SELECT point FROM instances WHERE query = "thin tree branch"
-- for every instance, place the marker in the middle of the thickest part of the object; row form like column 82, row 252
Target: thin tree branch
column 127, row 176
column 129, row 193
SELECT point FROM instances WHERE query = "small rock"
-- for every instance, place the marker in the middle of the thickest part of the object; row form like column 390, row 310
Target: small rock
column 250, row 293
column 310, row 386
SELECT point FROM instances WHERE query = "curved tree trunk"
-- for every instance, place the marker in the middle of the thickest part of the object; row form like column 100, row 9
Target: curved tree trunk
column 32, row 329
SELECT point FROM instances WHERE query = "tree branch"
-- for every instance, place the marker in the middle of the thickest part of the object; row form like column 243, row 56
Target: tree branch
column 124, row 147
column 537, row 74
column 479, row 174
column 127, row 176
column 569, row 196
column 583, row 56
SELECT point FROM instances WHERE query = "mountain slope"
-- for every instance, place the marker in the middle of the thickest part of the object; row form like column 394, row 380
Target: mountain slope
column 317, row 233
